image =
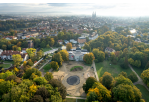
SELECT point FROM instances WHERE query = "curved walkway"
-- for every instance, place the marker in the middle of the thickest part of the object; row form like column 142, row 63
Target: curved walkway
column 140, row 81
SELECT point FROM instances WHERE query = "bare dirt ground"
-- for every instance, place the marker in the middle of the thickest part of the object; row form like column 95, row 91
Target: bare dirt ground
column 64, row 73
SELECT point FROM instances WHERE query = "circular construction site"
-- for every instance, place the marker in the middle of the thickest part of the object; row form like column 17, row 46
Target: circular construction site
column 73, row 80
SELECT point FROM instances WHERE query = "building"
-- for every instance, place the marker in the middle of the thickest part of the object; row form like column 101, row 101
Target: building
column 73, row 41
column 24, row 50
column 27, row 35
column 30, row 43
column 109, row 50
column 77, row 54
column 94, row 15
column 137, row 40
column 10, row 37
column 7, row 55
column 81, row 40
column 60, row 41
column 93, row 36
column 84, row 35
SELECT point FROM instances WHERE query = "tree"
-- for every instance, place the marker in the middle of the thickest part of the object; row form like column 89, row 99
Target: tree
column 40, row 80
column 14, row 78
column 137, row 63
column 69, row 46
column 61, row 87
column 86, row 46
column 31, row 52
column 88, row 58
column 52, row 42
column 132, row 76
column 112, row 56
column 125, row 51
column 48, row 76
column 47, row 46
column 29, row 62
column 101, row 56
column 122, row 80
column 39, row 54
column 95, row 52
column 145, row 77
column 123, row 74
column 60, row 35
column 17, row 59
column 126, row 93
column 43, row 92
column 92, row 96
column 89, row 83
column 54, row 65
column 57, row 58
column 28, row 73
column 104, row 95
column 65, row 55
column 4, row 47
column 36, row 98
column 147, row 65
column 15, row 47
column 19, row 44
column 131, row 61
column 19, row 49
column 107, row 80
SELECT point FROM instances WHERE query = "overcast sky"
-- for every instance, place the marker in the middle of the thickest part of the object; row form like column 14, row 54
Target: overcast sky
column 102, row 9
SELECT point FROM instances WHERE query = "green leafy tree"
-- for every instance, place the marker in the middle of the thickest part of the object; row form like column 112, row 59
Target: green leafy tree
column 28, row 73
column 137, row 63
column 61, row 88
column 126, row 93
column 43, row 92
column 69, row 46
column 65, row 55
column 133, row 77
column 54, row 65
column 17, row 59
column 145, row 76
column 4, row 47
column 52, row 42
column 123, row 74
column 92, row 96
column 57, row 58
column 89, row 83
column 40, row 80
column 31, row 52
column 48, row 76
column 36, row 98
column 88, row 58
column 86, row 46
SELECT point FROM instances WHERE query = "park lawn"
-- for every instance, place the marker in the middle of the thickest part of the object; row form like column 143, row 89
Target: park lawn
column 138, row 70
column 5, row 65
column 46, row 49
column 144, row 91
column 105, row 66
column 70, row 100
column 47, row 67
column 12, row 62
column 80, row 100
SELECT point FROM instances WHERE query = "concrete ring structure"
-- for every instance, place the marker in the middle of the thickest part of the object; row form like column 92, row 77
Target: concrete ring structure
column 73, row 80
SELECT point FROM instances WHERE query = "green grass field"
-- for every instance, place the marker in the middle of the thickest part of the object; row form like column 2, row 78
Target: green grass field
column 144, row 91
column 5, row 65
column 9, row 62
column 46, row 49
column 105, row 66
column 47, row 67
column 138, row 70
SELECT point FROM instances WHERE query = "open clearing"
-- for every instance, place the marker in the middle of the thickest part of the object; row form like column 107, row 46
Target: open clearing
column 64, row 73
column 105, row 66
column 143, row 90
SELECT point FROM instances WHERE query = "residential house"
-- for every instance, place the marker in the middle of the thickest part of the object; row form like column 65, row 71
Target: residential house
column 1, row 51
column 137, row 40
column 60, row 41
column 84, row 35
column 24, row 50
column 7, row 55
column 66, row 41
column 93, row 36
column 109, row 50
column 73, row 41
column 10, row 37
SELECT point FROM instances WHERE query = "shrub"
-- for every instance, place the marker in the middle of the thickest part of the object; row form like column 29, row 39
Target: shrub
column 76, row 67
column 133, row 77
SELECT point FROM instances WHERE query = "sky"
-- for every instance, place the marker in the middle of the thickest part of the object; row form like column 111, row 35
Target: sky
column 101, row 8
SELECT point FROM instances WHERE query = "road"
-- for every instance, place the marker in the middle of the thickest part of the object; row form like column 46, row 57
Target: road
column 50, row 51
column 140, row 81
column 95, row 71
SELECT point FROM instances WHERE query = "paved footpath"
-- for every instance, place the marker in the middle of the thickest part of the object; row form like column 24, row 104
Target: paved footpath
column 95, row 71
column 140, row 81
column 75, row 97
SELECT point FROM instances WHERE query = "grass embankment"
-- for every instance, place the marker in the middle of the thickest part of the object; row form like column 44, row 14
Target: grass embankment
column 5, row 65
column 76, row 67
column 144, row 91
column 46, row 49
column 105, row 66
column 47, row 67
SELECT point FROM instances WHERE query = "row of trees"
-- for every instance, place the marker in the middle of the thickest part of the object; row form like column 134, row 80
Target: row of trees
column 109, row 89
column 31, row 88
